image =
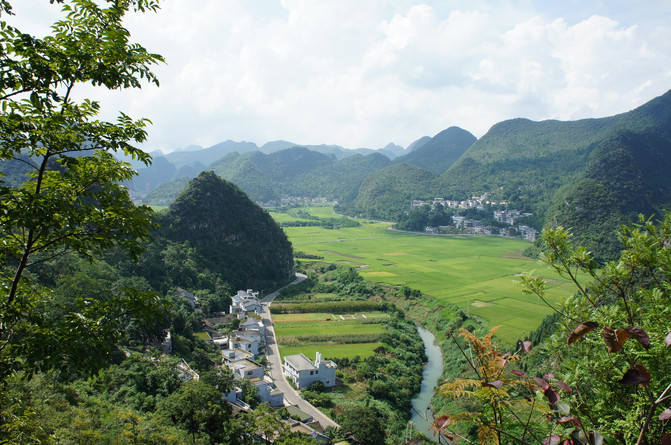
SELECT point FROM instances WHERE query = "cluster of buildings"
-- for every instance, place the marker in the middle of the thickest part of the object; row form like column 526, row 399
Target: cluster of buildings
column 475, row 202
column 478, row 227
column 241, row 351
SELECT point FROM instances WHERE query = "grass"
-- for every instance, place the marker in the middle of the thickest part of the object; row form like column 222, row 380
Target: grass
column 327, row 325
column 202, row 335
column 323, row 316
column 460, row 270
column 326, row 328
column 363, row 350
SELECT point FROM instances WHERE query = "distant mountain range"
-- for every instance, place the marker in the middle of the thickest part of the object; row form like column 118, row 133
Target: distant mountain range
column 589, row 174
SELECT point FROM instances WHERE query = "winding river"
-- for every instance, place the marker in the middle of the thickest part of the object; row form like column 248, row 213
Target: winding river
column 432, row 370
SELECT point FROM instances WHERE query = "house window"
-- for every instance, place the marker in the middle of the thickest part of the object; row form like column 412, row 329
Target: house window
column 317, row 372
column 312, row 372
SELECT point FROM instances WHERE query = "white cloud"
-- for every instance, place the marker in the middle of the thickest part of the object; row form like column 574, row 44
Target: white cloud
column 367, row 72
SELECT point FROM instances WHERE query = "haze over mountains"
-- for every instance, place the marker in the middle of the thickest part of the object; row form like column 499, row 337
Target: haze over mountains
column 591, row 174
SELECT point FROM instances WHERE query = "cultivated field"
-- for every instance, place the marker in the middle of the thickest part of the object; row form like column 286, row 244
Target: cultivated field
column 334, row 335
column 477, row 273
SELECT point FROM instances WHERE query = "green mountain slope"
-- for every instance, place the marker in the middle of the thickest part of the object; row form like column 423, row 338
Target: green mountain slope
column 626, row 175
column 387, row 193
column 440, row 152
column 340, row 180
column 536, row 159
column 237, row 239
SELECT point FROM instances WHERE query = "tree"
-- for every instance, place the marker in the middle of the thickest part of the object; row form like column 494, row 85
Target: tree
column 70, row 197
column 198, row 408
column 365, row 424
column 606, row 373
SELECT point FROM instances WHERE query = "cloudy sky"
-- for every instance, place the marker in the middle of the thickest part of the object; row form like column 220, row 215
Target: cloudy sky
column 363, row 73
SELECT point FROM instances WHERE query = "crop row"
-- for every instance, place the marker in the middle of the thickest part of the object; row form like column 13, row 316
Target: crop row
column 331, row 306
column 296, row 340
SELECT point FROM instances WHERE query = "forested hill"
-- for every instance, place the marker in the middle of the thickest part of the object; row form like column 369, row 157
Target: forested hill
column 590, row 175
column 236, row 239
column 441, row 151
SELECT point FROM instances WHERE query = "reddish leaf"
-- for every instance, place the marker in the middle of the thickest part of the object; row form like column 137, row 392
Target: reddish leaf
column 519, row 373
column 563, row 386
column 640, row 335
column 635, row 376
column 526, row 346
column 666, row 414
column 552, row 395
column 495, row 384
column 549, row 376
column 610, row 339
column 666, row 439
column 622, row 336
column 667, row 340
column 441, row 422
column 565, row 419
column 542, row 383
column 581, row 330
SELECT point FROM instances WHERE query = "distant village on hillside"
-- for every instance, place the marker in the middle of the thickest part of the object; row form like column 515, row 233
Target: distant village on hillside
column 481, row 203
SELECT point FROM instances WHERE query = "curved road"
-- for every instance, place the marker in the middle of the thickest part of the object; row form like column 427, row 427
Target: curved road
column 291, row 396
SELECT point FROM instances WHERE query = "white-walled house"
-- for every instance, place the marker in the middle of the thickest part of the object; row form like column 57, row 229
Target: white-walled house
column 303, row 371
column 267, row 392
column 253, row 324
column 245, row 301
column 246, row 369
column 249, row 343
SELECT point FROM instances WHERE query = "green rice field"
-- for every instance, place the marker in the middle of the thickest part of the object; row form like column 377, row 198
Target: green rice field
column 363, row 350
column 477, row 273
column 329, row 333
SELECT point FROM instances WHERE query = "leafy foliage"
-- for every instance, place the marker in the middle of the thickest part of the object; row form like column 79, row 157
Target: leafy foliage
column 626, row 303
column 69, row 197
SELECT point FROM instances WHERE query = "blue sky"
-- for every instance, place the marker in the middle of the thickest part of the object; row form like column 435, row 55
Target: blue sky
column 363, row 73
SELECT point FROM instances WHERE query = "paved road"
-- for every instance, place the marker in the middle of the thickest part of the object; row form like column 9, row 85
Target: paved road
column 291, row 396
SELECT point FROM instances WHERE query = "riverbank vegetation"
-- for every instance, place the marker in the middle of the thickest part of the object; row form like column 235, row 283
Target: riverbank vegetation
column 377, row 349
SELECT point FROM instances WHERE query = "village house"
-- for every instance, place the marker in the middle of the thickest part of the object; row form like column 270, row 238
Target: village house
column 252, row 324
column 248, row 342
column 244, row 367
column 528, row 233
column 233, row 355
column 245, row 301
column 267, row 391
column 303, row 371
column 188, row 296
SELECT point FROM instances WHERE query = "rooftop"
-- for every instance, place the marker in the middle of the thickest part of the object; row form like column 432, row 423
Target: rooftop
column 300, row 361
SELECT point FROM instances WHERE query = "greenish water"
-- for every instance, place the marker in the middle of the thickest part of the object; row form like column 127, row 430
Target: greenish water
column 421, row 403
